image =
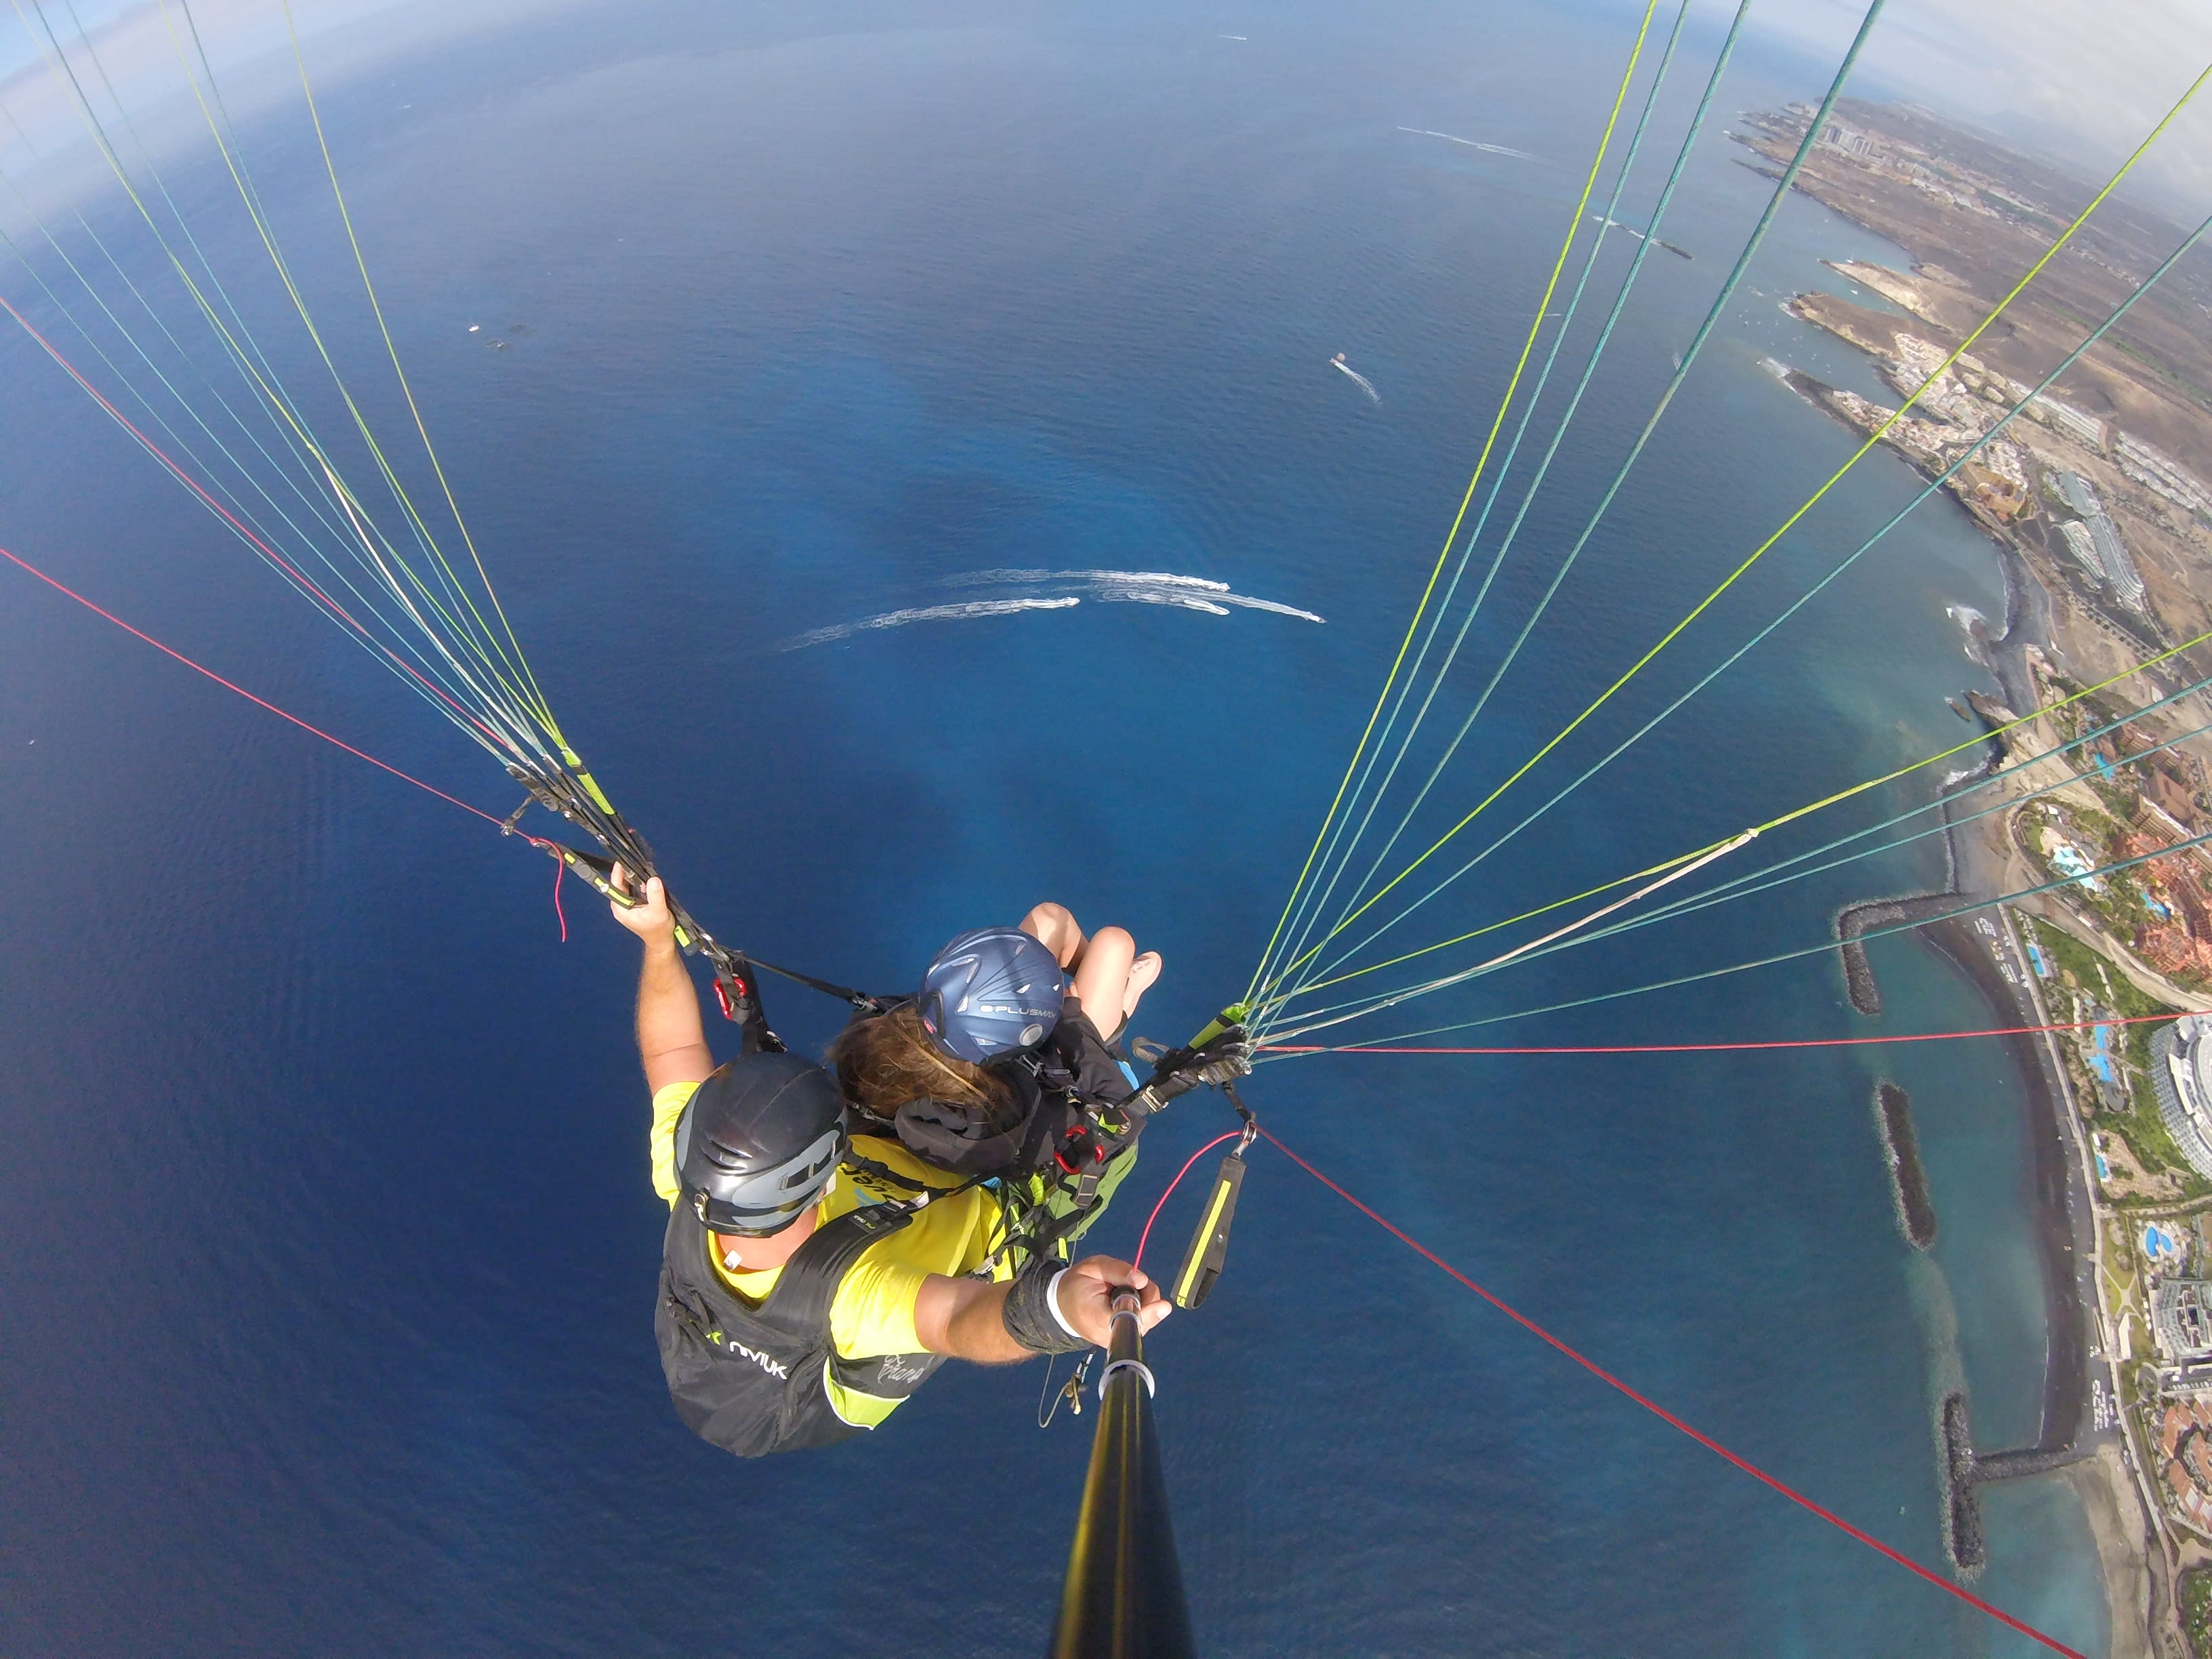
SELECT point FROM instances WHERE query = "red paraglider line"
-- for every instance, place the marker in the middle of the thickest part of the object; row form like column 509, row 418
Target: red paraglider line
column 1145, row 1238
column 263, row 702
column 1709, row 1443
column 1656, row 1409
column 1719, row 1047
column 278, row 559
column 560, row 869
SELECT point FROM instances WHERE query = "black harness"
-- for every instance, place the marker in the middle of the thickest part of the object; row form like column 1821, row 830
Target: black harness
column 755, row 1380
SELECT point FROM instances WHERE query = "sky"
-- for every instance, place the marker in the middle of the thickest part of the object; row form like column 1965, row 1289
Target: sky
column 2078, row 81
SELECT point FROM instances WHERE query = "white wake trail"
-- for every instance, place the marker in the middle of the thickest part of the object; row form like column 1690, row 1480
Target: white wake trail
column 1152, row 578
column 1163, row 588
column 1279, row 609
column 1472, row 143
column 924, row 613
column 1365, row 384
column 1181, row 599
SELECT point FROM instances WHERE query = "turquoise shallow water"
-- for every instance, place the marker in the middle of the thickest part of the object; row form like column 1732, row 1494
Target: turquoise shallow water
column 330, row 1242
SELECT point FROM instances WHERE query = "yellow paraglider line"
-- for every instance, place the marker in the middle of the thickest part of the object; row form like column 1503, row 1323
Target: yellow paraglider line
column 1760, row 551
column 1482, row 460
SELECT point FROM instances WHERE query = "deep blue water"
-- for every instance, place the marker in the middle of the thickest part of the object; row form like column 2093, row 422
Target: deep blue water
column 329, row 1242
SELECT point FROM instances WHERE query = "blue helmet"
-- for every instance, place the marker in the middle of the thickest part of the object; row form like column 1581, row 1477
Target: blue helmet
column 990, row 992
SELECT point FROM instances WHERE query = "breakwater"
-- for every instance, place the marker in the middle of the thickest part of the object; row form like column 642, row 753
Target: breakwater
column 1908, row 1179
column 1962, row 1508
column 1981, row 957
column 1855, row 921
column 2066, row 1373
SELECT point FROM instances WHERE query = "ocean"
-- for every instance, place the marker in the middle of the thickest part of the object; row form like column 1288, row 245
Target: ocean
column 330, row 1246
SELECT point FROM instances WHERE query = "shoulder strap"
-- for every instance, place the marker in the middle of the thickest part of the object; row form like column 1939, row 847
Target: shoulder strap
column 803, row 1291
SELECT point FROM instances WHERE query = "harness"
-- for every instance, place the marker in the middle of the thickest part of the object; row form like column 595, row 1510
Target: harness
column 1070, row 1154
column 756, row 1380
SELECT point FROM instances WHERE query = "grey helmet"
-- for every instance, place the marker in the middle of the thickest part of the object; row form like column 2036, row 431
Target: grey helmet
column 759, row 1142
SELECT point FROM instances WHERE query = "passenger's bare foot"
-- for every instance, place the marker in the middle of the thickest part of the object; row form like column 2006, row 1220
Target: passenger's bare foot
column 1143, row 972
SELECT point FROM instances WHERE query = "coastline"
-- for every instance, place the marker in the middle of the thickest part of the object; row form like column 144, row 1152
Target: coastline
column 2066, row 1365
column 2059, row 1222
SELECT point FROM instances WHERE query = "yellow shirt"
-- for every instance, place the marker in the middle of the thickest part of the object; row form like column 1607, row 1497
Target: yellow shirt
column 872, row 1312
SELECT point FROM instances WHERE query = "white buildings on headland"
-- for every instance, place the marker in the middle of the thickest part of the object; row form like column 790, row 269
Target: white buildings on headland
column 2105, row 554
column 2082, row 546
column 2156, row 471
column 1849, row 140
column 2181, row 1077
column 2080, row 495
column 2085, row 429
column 2119, row 569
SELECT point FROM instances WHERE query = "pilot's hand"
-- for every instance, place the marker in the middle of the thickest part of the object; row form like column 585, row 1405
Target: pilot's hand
column 1086, row 1296
column 650, row 917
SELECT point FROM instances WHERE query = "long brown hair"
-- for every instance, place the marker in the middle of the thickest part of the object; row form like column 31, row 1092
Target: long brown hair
column 883, row 1061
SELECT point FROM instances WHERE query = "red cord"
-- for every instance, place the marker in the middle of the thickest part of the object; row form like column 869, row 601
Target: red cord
column 1650, row 1405
column 1717, row 1048
column 1519, row 1318
column 282, row 563
column 1143, row 1238
column 260, row 701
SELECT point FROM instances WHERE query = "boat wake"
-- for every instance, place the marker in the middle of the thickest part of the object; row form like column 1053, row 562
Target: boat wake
column 1136, row 587
column 1472, row 143
column 1365, row 384
column 922, row 613
column 1060, row 590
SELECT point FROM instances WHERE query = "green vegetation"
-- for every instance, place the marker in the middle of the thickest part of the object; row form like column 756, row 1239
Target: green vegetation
column 2140, row 1125
column 2123, row 903
column 2196, row 1598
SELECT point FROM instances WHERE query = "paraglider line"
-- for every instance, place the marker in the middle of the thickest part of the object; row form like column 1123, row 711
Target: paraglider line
column 1145, row 1238
column 560, row 869
column 1760, row 551
column 306, row 583
column 382, row 766
column 1451, row 537
column 1722, row 1047
column 1660, row 1411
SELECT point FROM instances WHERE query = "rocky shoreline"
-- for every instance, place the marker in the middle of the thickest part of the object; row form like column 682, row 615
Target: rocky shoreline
column 2066, row 1371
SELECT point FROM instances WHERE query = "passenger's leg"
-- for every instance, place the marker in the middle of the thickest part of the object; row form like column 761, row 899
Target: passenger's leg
column 1054, row 926
column 1102, row 981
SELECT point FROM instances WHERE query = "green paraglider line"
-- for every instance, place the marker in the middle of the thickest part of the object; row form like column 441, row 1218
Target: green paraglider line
column 1723, row 1047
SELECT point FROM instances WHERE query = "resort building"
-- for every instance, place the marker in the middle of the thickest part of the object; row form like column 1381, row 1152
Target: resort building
column 2190, row 1382
column 2181, row 1320
column 2154, row 469
column 2080, row 495
column 2095, row 540
column 2119, row 566
column 2085, row 429
column 2082, row 546
column 2181, row 1076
